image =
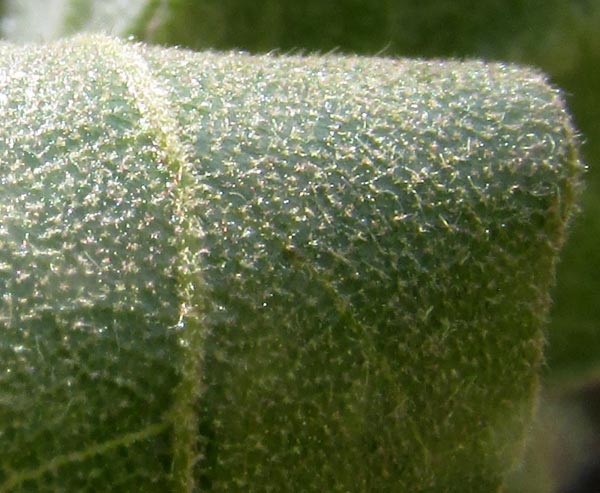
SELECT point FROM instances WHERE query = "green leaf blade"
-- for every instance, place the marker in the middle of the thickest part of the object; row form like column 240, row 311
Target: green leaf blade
column 347, row 263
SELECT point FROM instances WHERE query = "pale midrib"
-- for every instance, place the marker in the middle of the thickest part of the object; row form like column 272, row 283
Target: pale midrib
column 155, row 107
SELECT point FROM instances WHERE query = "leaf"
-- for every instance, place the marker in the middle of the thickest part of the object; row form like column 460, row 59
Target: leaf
column 223, row 272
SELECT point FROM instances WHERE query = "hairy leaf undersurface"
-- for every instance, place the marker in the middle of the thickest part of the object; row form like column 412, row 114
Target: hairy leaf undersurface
column 223, row 272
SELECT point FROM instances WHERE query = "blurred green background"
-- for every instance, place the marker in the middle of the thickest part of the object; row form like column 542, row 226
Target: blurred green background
column 561, row 37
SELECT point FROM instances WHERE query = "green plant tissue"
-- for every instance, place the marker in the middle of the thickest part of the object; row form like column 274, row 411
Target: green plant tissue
column 224, row 272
